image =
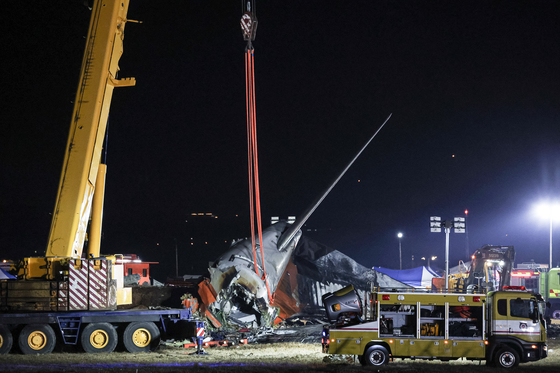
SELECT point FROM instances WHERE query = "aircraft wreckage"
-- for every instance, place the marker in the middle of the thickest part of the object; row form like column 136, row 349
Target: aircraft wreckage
column 242, row 279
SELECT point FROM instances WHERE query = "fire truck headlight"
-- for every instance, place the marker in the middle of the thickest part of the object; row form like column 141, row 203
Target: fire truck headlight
column 461, row 299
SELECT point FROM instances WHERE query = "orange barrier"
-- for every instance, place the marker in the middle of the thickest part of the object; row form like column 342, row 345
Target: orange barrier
column 216, row 343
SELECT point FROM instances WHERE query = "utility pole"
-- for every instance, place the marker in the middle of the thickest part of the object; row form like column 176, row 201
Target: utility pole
column 176, row 260
column 467, row 251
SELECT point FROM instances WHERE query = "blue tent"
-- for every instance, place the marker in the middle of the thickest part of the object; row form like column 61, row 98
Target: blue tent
column 5, row 275
column 419, row 277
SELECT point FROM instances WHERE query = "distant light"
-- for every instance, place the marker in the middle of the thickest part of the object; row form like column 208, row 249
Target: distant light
column 466, row 212
column 548, row 210
column 399, row 235
column 157, row 244
column 358, row 180
column 453, row 156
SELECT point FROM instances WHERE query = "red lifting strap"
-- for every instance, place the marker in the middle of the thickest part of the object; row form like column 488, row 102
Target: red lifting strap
column 254, row 192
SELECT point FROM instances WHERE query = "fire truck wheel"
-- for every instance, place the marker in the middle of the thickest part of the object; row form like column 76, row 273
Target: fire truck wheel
column 6, row 339
column 506, row 358
column 37, row 339
column 556, row 314
column 375, row 355
column 141, row 337
column 99, row 337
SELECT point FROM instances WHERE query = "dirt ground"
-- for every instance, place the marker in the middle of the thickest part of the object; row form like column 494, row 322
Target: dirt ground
column 285, row 357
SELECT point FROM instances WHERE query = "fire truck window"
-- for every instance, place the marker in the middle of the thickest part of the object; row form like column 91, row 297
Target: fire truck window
column 145, row 272
column 520, row 308
column 130, row 271
column 397, row 320
column 502, row 307
column 432, row 322
column 465, row 321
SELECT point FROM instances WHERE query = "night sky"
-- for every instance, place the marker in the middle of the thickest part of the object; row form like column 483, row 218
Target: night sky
column 474, row 88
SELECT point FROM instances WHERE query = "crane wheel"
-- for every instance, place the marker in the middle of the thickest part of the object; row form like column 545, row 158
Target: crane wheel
column 6, row 339
column 99, row 337
column 37, row 339
column 141, row 337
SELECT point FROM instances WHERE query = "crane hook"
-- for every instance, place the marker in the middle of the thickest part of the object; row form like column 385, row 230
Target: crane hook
column 249, row 22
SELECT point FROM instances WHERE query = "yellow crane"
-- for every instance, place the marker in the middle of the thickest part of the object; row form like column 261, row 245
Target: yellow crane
column 81, row 186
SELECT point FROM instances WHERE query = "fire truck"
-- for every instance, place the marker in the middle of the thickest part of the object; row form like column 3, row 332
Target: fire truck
column 540, row 279
column 504, row 328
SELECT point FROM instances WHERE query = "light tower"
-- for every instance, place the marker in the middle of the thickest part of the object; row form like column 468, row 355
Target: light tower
column 399, row 235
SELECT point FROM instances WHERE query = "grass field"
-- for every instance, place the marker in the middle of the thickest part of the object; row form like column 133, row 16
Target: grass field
column 284, row 357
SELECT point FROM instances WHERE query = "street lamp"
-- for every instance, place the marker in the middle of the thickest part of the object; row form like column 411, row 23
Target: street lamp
column 433, row 257
column 399, row 235
column 549, row 211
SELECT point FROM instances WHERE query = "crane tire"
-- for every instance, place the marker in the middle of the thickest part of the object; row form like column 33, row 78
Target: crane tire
column 6, row 339
column 37, row 339
column 141, row 337
column 99, row 337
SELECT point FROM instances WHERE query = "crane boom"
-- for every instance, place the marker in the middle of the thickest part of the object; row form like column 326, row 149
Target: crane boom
column 98, row 77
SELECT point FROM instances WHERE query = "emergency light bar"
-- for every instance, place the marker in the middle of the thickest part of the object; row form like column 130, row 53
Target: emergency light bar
column 523, row 274
column 514, row 288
